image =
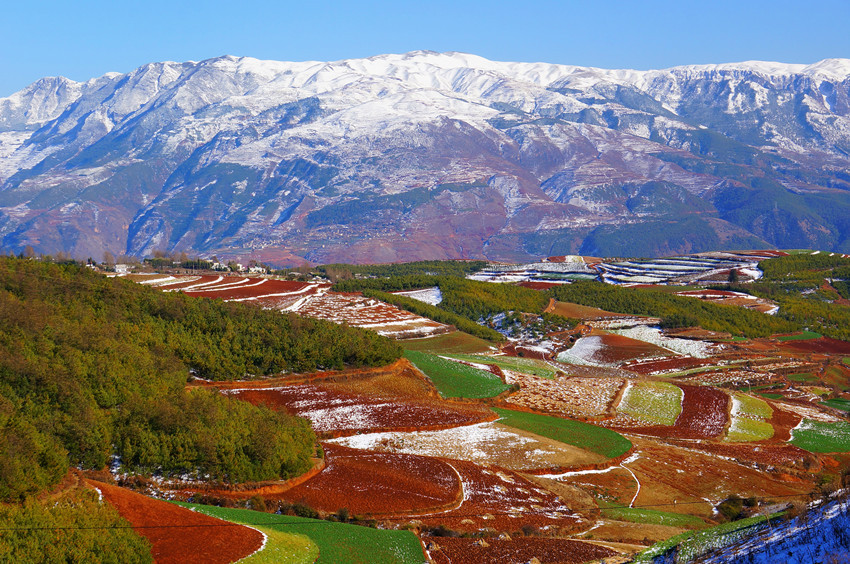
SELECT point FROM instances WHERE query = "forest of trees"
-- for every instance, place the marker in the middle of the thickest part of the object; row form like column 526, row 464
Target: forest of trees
column 93, row 368
column 465, row 299
column 796, row 283
column 674, row 311
column 427, row 267
column 76, row 527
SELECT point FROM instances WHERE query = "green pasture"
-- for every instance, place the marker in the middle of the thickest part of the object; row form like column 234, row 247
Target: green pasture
column 530, row 366
column 583, row 435
column 648, row 516
column 802, row 336
column 657, row 402
column 838, row 403
column 816, row 436
column 456, row 342
column 692, row 544
column 456, row 380
column 323, row 542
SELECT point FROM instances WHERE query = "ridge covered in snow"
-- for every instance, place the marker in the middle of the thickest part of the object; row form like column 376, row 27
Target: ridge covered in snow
column 514, row 160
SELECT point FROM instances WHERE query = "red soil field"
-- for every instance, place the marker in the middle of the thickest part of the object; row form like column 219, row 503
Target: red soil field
column 666, row 365
column 344, row 413
column 179, row 535
column 704, row 413
column 776, row 454
column 187, row 281
column 537, row 285
column 546, row 550
column 501, row 499
column 369, row 483
column 822, row 345
column 704, row 416
column 783, row 422
column 256, row 288
column 617, row 348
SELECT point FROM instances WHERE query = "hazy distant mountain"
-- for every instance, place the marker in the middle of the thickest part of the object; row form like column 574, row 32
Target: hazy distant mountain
column 428, row 155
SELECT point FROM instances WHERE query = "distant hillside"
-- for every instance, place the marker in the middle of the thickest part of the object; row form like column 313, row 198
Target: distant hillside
column 427, row 156
column 93, row 372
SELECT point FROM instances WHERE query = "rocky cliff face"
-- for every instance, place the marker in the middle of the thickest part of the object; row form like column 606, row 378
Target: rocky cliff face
column 427, row 155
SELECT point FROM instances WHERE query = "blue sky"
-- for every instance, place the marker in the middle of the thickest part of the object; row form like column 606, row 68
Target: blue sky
column 86, row 38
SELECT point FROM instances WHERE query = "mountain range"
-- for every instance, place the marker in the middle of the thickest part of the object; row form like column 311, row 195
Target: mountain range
column 427, row 155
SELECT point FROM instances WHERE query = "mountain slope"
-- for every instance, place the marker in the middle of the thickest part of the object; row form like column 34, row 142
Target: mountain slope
column 427, row 155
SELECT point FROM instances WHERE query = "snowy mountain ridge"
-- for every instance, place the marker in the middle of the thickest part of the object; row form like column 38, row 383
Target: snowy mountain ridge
column 531, row 148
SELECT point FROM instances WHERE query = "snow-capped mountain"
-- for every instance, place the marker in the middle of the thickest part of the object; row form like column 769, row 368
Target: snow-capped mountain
column 427, row 155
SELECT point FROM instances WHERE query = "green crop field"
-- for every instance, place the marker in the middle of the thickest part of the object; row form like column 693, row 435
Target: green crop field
column 524, row 365
column 753, row 407
column 772, row 396
column 750, row 419
column 334, row 542
column 846, row 360
column 803, row 377
column 802, row 336
column 747, row 430
column 695, row 543
column 456, row 342
column 838, row 403
column 456, row 380
column 657, row 402
column 815, row 436
column 583, row 435
column 649, row 516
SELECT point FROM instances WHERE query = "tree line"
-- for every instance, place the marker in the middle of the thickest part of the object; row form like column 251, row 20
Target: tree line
column 93, row 370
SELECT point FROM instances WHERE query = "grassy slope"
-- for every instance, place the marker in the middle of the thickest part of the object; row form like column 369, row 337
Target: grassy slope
column 583, row 435
column 456, row 342
column 336, row 542
column 657, row 402
column 455, row 380
column 822, row 437
column 524, row 365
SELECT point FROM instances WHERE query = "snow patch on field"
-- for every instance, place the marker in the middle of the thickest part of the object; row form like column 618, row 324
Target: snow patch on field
column 477, row 443
column 653, row 335
column 431, row 296
column 582, row 352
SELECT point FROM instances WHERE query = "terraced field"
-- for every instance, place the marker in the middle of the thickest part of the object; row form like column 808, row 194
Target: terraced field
column 322, row 542
column 456, row 380
column 750, row 419
column 652, row 403
column 819, row 436
column 531, row 366
column 596, row 439
column 571, row 396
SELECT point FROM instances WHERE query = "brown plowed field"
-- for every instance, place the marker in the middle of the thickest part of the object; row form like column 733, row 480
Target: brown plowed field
column 674, row 364
column 187, row 281
column 503, row 500
column 258, row 287
column 535, row 285
column 179, row 535
column 822, row 345
column 704, row 416
column 547, row 551
column 783, row 421
column 778, row 454
column 335, row 411
column 615, row 349
column 576, row 311
column 372, row 483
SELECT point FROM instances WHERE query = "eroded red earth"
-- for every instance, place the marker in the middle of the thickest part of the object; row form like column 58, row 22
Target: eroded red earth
column 178, row 535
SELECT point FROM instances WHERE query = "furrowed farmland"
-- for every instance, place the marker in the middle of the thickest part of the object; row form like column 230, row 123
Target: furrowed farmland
column 585, row 421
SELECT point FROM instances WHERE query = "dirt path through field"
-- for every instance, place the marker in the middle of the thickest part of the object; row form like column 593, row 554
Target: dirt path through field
column 178, row 535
